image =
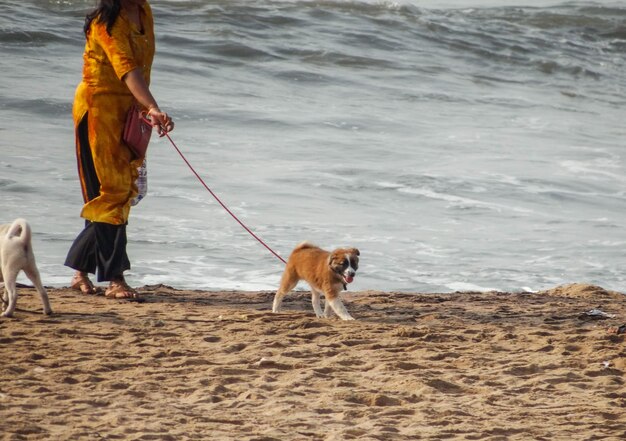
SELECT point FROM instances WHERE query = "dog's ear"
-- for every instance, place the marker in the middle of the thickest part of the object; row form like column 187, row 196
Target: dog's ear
column 355, row 251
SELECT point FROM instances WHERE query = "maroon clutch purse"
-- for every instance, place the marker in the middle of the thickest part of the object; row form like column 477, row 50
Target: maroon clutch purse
column 137, row 131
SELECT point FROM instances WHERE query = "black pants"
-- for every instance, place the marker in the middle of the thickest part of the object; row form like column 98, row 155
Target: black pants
column 99, row 246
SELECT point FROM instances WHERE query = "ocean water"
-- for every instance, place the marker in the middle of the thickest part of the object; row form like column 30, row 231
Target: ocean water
column 460, row 145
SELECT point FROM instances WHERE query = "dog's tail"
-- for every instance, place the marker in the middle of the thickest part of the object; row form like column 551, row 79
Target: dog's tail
column 19, row 230
column 305, row 244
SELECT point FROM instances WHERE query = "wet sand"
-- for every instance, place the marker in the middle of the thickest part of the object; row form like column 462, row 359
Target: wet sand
column 220, row 366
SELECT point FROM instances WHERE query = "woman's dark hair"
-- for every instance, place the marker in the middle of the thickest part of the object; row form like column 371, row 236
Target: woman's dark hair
column 106, row 12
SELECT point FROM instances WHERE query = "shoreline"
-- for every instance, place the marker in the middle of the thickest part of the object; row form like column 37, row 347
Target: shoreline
column 194, row 364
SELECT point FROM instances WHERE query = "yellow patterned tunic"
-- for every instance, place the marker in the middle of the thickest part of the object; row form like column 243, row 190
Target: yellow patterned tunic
column 104, row 99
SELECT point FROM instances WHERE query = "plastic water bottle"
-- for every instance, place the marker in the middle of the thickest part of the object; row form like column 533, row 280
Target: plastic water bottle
column 142, row 183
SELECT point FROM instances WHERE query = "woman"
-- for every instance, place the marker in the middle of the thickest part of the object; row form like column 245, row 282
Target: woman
column 116, row 74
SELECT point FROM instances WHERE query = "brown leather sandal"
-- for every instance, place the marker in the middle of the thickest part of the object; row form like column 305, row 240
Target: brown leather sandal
column 80, row 282
column 119, row 289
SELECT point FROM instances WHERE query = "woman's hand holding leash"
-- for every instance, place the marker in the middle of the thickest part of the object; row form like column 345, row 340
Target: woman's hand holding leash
column 160, row 120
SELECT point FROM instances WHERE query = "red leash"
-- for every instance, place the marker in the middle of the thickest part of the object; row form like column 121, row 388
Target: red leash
column 220, row 202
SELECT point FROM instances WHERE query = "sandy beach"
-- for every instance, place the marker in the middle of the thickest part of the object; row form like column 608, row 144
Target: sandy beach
column 220, row 366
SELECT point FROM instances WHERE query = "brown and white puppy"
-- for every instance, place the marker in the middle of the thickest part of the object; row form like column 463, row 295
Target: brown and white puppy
column 16, row 254
column 326, row 273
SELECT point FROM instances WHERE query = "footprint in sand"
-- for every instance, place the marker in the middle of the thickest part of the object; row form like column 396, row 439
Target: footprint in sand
column 445, row 387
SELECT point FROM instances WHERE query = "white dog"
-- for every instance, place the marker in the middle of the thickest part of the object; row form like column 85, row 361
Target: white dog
column 16, row 254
